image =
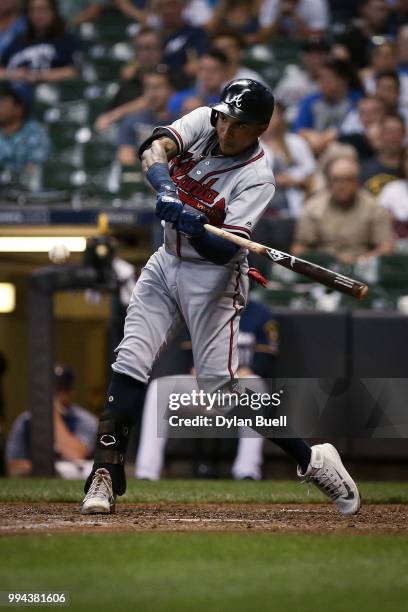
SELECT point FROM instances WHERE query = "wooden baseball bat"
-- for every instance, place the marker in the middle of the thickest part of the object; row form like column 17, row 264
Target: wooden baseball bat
column 331, row 279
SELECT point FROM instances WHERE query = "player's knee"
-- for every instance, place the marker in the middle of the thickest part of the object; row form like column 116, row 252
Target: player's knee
column 125, row 398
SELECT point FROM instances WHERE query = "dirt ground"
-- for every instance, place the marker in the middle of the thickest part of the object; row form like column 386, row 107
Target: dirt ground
column 24, row 518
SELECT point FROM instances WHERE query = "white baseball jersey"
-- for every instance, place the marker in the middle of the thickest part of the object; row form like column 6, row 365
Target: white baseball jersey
column 232, row 191
column 176, row 282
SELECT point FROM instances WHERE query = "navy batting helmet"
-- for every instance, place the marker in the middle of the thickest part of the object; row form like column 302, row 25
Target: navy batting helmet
column 246, row 100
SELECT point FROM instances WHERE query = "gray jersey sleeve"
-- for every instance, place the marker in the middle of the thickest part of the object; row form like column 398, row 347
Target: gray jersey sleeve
column 188, row 129
column 246, row 207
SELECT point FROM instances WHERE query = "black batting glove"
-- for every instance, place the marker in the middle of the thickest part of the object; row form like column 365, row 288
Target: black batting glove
column 168, row 206
column 191, row 224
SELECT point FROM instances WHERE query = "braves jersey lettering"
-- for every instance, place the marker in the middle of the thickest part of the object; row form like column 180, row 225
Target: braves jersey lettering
column 232, row 191
column 203, row 192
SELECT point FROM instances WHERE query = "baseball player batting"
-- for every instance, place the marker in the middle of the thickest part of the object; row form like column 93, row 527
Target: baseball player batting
column 207, row 167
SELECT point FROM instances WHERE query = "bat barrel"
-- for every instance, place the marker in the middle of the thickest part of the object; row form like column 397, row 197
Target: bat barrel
column 331, row 279
column 326, row 277
column 361, row 290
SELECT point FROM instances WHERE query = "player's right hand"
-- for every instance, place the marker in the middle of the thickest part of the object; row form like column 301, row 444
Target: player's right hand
column 168, row 206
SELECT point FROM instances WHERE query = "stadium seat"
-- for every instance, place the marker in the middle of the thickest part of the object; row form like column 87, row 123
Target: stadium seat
column 110, row 28
column 58, row 176
column 288, row 297
column 393, row 271
column 66, row 134
column 132, row 182
column 98, row 154
column 70, row 89
column 69, row 112
column 102, row 69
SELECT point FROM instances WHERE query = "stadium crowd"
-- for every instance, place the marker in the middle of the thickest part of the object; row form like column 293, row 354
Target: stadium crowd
column 339, row 70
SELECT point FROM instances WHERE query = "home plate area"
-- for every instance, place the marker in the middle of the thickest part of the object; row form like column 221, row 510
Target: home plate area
column 39, row 517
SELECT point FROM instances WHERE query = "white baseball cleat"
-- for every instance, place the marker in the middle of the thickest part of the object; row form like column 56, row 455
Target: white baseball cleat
column 100, row 498
column 328, row 473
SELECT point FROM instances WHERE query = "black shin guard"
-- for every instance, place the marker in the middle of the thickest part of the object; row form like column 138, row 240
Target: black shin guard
column 111, row 445
column 125, row 398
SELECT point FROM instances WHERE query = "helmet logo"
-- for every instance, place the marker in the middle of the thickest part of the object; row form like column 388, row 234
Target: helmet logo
column 237, row 100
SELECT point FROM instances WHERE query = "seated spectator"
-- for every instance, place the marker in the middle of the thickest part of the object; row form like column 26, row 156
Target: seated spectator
column 362, row 126
column 388, row 89
column 403, row 64
column 24, row 143
column 74, row 433
column 292, row 162
column 383, row 59
column 183, row 43
column 241, row 16
column 385, row 166
column 297, row 82
column 148, row 54
column 148, row 57
column 374, row 20
column 232, row 45
column 321, row 114
column 344, row 220
column 12, row 23
column 211, row 76
column 335, row 150
column 394, row 197
column 294, row 19
column 76, row 12
column 135, row 128
column 45, row 52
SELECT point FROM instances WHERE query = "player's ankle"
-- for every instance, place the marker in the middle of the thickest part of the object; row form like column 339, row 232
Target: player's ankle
column 117, row 474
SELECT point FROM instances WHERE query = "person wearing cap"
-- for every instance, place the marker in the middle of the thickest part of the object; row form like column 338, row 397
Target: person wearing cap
column 24, row 142
column 74, row 433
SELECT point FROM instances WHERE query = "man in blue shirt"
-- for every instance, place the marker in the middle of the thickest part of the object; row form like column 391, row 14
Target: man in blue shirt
column 183, row 43
column 212, row 71
column 74, row 432
column 24, row 143
column 322, row 113
column 135, row 128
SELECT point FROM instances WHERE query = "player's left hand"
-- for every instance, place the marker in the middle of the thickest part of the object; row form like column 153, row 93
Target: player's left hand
column 191, row 224
column 168, row 206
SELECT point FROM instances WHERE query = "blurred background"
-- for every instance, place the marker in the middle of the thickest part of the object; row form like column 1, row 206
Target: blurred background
column 82, row 84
